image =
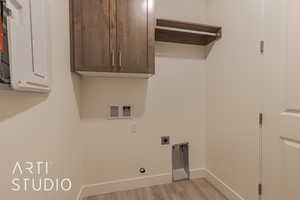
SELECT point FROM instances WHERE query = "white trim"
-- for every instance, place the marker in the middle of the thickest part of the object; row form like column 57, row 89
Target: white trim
column 198, row 173
column 222, row 187
column 123, row 184
column 159, row 179
column 132, row 183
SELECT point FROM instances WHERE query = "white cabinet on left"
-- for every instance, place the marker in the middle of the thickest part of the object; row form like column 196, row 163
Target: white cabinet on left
column 28, row 41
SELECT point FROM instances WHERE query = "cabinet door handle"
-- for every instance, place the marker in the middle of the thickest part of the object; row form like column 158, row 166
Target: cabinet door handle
column 113, row 59
column 120, row 59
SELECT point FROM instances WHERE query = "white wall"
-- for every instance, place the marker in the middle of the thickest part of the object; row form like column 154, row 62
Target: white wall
column 90, row 149
column 233, row 95
column 39, row 128
column 170, row 103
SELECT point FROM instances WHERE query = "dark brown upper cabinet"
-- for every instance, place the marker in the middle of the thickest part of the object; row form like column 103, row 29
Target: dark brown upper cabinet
column 112, row 37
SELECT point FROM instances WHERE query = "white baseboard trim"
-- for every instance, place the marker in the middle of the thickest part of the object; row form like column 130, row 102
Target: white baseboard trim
column 132, row 183
column 124, row 184
column 222, row 187
column 198, row 173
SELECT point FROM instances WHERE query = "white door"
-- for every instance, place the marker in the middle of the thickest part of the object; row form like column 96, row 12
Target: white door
column 234, row 95
column 28, row 45
column 281, row 129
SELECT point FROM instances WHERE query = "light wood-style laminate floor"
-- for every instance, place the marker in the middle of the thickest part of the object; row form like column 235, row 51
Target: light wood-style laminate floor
column 197, row 189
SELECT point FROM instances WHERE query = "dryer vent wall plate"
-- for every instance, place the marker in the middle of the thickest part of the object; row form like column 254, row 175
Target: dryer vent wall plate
column 120, row 112
column 180, row 162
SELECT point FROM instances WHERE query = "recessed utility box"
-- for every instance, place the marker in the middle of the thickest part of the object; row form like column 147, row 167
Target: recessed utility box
column 180, row 162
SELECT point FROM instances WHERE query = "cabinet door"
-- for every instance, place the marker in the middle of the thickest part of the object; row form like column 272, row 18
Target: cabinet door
column 91, row 36
column 132, row 36
column 28, row 45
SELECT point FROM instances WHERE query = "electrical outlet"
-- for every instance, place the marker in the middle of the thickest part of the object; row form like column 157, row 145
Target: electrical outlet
column 165, row 140
column 127, row 111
